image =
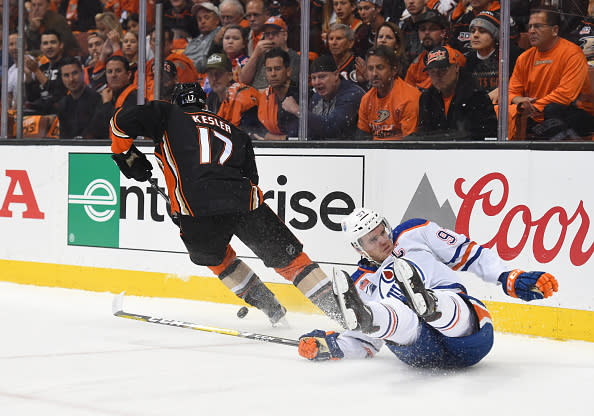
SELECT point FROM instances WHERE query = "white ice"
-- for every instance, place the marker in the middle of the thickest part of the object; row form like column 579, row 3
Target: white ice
column 63, row 353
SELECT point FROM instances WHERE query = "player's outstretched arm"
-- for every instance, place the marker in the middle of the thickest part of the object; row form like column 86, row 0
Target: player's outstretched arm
column 528, row 285
column 320, row 345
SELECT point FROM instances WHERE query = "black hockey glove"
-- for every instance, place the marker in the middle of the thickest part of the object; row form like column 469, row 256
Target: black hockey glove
column 133, row 164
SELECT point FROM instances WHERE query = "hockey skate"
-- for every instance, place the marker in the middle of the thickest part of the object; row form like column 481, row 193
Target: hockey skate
column 419, row 298
column 357, row 316
column 277, row 316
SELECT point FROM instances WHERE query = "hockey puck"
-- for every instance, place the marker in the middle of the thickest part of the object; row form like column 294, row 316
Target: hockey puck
column 242, row 312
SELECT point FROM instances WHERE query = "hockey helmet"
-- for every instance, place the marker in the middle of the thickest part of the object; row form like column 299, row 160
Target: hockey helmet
column 188, row 93
column 360, row 223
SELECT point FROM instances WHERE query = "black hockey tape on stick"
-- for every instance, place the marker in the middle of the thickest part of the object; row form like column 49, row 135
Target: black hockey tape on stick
column 153, row 182
column 155, row 186
column 117, row 309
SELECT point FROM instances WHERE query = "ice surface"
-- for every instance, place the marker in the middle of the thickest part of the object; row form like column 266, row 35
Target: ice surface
column 64, row 353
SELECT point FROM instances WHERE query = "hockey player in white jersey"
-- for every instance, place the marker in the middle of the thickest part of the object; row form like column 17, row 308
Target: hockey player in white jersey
column 407, row 294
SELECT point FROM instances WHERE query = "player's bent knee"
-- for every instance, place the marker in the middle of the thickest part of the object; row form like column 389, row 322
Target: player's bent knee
column 217, row 262
column 294, row 267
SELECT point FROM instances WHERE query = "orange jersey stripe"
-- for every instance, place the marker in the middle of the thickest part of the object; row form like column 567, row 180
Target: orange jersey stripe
column 466, row 255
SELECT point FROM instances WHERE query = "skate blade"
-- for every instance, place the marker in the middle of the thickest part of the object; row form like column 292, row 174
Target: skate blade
column 340, row 286
column 403, row 273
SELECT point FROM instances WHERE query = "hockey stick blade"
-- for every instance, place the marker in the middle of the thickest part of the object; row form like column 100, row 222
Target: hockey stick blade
column 117, row 309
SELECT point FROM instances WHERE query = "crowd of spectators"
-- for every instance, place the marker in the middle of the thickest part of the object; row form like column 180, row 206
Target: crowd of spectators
column 379, row 69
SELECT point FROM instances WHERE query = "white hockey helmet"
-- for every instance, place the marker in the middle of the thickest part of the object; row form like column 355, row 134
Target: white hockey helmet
column 360, row 223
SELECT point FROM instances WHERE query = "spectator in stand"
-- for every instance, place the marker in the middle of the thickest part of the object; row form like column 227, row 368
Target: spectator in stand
column 278, row 122
column 235, row 102
column 390, row 109
column 130, row 50
column 120, row 92
column 231, row 14
column 334, row 107
column 76, row 109
column 341, row 39
column 12, row 70
column 95, row 42
column 43, row 84
column 550, row 83
column 433, row 33
column 461, row 27
column 583, row 35
column 168, row 80
column 184, row 71
column 257, row 13
column 483, row 64
column 390, row 35
column 131, row 23
column 178, row 14
column 107, row 22
column 455, row 107
column 42, row 19
column 209, row 23
column 235, row 47
column 345, row 13
column 80, row 14
column 274, row 36
column 409, row 26
column 371, row 14
column 290, row 12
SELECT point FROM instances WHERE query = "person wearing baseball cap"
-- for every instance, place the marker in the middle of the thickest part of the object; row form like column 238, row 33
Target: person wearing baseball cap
column 209, row 23
column 168, row 80
column 432, row 30
column 455, row 107
column 274, row 35
column 233, row 101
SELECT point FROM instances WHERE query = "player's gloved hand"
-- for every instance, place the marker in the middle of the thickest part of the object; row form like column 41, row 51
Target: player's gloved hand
column 528, row 285
column 320, row 345
column 134, row 164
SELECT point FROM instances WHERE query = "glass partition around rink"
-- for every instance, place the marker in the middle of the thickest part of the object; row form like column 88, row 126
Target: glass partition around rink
column 319, row 70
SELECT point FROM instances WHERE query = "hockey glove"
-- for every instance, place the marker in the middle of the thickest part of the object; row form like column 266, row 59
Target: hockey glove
column 320, row 345
column 134, row 164
column 528, row 285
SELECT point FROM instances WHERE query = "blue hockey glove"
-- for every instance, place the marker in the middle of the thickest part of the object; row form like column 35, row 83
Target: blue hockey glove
column 320, row 345
column 528, row 285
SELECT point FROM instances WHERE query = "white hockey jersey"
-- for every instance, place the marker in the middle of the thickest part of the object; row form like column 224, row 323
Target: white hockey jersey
column 438, row 253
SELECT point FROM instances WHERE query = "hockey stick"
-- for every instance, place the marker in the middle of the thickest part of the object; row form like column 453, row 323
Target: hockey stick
column 153, row 182
column 117, row 309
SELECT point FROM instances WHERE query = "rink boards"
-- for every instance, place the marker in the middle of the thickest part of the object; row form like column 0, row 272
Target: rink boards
column 69, row 219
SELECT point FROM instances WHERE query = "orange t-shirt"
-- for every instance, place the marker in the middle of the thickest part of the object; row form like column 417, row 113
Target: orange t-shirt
column 392, row 117
column 559, row 75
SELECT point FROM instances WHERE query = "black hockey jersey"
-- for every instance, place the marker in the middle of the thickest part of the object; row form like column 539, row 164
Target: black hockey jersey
column 209, row 164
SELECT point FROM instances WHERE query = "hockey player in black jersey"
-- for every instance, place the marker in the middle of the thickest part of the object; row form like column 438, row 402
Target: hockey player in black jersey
column 212, row 180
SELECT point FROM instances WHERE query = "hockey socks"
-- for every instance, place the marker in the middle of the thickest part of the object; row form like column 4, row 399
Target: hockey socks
column 242, row 281
column 316, row 286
